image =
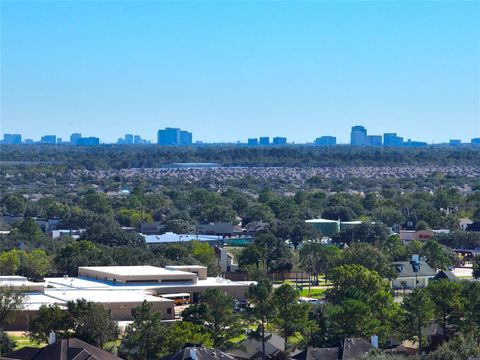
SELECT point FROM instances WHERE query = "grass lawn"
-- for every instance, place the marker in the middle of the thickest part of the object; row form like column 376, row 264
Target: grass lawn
column 314, row 293
column 23, row 341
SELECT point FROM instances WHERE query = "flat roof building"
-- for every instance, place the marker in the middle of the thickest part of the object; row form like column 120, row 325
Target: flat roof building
column 136, row 274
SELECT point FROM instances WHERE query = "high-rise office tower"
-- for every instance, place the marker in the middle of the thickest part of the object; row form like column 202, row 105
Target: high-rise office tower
column 391, row 139
column 185, row 138
column 12, row 139
column 358, row 136
column 252, row 142
column 74, row 138
column 279, row 140
column 326, row 141
column 264, row 140
column 48, row 139
column 174, row 136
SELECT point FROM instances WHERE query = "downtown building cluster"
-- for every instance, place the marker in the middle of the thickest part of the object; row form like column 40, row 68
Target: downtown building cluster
column 171, row 136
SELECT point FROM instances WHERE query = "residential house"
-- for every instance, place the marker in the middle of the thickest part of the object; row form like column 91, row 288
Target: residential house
column 410, row 276
column 350, row 349
column 64, row 349
column 251, row 349
column 191, row 352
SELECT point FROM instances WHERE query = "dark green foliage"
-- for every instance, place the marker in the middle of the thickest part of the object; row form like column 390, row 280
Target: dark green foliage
column 215, row 312
column 147, row 338
column 92, row 323
column 49, row 318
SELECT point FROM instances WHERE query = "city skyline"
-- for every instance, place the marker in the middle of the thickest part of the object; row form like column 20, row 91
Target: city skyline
column 170, row 136
column 222, row 70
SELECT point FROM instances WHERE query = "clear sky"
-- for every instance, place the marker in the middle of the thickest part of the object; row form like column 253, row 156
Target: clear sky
column 231, row 70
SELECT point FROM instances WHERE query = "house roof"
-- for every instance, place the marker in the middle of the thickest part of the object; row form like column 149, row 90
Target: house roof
column 355, row 348
column 314, row 353
column 446, row 274
column 406, row 269
column 251, row 346
column 198, row 353
column 65, row 349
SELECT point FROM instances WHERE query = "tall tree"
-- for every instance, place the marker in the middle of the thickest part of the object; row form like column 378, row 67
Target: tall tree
column 447, row 300
column 11, row 301
column 418, row 311
column 34, row 264
column 147, row 338
column 92, row 323
column 49, row 318
column 290, row 316
column 260, row 310
column 9, row 262
column 215, row 312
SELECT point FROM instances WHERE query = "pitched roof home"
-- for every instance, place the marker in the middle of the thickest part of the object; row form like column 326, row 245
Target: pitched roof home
column 65, row 349
column 410, row 276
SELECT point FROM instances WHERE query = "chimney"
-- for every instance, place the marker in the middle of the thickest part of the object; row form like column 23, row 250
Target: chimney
column 52, row 338
column 374, row 341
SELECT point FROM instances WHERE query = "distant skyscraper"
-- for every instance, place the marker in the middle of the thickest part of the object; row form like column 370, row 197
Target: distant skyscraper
column 174, row 136
column 476, row 141
column 137, row 139
column 169, row 136
column 128, row 140
column 278, row 140
column 326, row 140
column 12, row 139
column 374, row 140
column 59, row 140
column 74, row 138
column 253, row 142
column 358, row 136
column 185, row 138
column 88, row 141
column 48, row 139
column 455, row 142
column 264, row 140
column 28, row 141
column 391, row 139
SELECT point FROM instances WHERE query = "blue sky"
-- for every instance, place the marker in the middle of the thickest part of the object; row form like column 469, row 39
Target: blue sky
column 231, row 70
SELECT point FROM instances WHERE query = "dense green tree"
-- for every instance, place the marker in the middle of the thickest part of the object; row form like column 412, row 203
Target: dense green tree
column 290, row 316
column 355, row 288
column 205, row 254
column 261, row 309
column 92, row 323
column 215, row 312
column 35, row 264
column 376, row 234
column 14, row 204
column 251, row 255
column 49, row 318
column 418, row 312
column 11, row 301
column 447, row 301
column 370, row 257
column 96, row 202
column 476, row 267
column 462, row 347
column 9, row 262
column 106, row 231
column 436, row 255
column 351, row 318
column 389, row 216
column 27, row 229
column 318, row 259
column 147, row 338
column 296, row 230
column 81, row 253
column 471, row 307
